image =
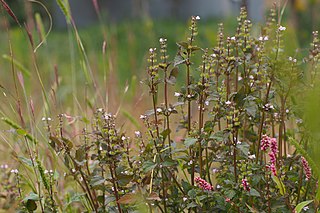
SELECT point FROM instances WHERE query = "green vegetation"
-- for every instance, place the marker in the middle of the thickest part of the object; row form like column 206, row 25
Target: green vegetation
column 223, row 121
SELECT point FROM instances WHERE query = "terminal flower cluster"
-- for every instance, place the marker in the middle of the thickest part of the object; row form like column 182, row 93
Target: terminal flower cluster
column 203, row 184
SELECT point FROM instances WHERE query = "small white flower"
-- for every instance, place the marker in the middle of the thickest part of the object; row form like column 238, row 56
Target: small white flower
column 159, row 110
column 143, row 117
column 233, row 38
column 287, row 110
column 295, row 60
column 239, row 78
column 73, row 170
column 161, row 40
column 14, row 171
column 213, row 55
column 123, row 138
column 151, row 50
column 281, row 28
column 206, row 103
column 184, row 199
column 197, row 17
column 306, row 208
column 190, row 162
column 252, row 157
column 260, row 38
column 228, row 102
column 189, row 96
column 4, row 166
column 176, row 94
column 218, row 187
column 215, row 170
column 290, row 58
column 46, row 171
column 239, row 142
column 266, row 38
column 137, row 134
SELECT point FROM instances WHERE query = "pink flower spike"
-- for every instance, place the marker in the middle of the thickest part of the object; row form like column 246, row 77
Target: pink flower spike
column 306, row 168
column 203, row 184
column 265, row 142
column 245, row 185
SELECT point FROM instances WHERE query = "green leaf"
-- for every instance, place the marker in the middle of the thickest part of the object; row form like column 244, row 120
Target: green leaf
column 129, row 198
column 123, row 179
column 153, row 196
column 254, row 192
column 68, row 143
column 178, row 60
column 26, row 161
column 230, row 194
column 301, row 205
column 194, row 48
column 280, row 184
column 31, row 205
column 97, row 180
column 31, row 196
column 148, row 166
column 190, row 141
column 75, row 198
column 80, row 155
column 252, row 209
column 244, row 148
column 165, row 133
column 183, row 44
column 169, row 163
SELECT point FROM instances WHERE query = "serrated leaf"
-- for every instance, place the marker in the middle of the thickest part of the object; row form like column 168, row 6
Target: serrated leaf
column 190, row 141
column 301, row 205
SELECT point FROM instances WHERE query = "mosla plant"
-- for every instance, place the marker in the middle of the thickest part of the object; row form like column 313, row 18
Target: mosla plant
column 234, row 138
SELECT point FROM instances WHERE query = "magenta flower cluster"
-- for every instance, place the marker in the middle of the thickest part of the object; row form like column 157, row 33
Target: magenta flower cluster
column 245, row 184
column 306, row 168
column 203, row 184
column 267, row 142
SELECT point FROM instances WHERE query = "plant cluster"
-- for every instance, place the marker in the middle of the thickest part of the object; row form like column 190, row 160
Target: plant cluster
column 227, row 141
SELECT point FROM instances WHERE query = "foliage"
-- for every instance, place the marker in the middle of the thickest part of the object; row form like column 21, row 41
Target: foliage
column 219, row 144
